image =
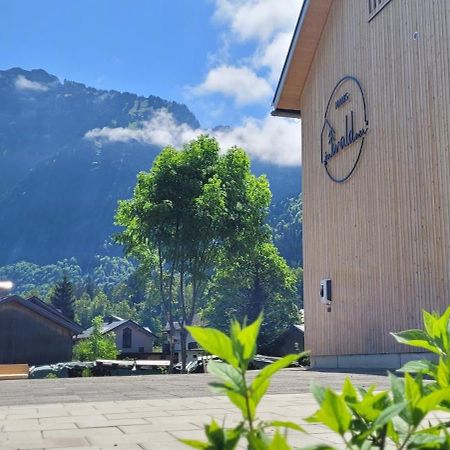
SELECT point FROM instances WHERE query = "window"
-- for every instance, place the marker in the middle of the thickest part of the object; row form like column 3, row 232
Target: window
column 375, row 6
column 192, row 345
column 126, row 338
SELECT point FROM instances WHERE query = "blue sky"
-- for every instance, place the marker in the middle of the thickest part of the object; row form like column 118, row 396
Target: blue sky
column 220, row 57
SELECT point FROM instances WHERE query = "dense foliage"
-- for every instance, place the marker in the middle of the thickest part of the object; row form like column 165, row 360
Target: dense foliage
column 195, row 208
column 97, row 345
column 257, row 280
column 105, row 273
column 112, row 285
column 364, row 419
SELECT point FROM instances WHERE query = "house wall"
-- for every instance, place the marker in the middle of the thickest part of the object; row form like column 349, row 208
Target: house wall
column 383, row 236
column 177, row 337
column 139, row 339
column 28, row 338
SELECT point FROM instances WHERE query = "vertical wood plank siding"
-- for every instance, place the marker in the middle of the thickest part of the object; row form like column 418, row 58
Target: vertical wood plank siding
column 383, row 237
column 26, row 337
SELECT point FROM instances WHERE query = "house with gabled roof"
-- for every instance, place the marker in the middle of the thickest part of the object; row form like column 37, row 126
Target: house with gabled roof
column 33, row 332
column 192, row 347
column 131, row 338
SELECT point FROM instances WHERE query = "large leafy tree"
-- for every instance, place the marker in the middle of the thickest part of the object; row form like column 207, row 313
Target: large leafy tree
column 62, row 297
column 193, row 207
column 256, row 281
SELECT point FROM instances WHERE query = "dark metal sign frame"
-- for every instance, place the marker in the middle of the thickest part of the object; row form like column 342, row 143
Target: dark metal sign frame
column 360, row 135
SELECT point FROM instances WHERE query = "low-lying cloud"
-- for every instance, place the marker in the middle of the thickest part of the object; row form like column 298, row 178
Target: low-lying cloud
column 24, row 84
column 271, row 139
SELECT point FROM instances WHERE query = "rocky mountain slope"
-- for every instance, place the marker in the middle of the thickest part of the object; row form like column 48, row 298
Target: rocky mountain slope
column 59, row 190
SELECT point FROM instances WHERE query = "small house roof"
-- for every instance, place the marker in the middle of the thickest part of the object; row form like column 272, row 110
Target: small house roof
column 197, row 321
column 44, row 309
column 111, row 326
column 307, row 34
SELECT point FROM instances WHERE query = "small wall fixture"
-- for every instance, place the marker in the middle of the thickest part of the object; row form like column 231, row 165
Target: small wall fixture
column 325, row 291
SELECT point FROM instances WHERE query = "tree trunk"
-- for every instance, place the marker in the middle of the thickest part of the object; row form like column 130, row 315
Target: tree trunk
column 257, row 300
column 183, row 340
column 171, row 350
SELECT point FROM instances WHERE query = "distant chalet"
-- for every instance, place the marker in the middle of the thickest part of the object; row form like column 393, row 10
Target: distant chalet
column 34, row 333
column 131, row 338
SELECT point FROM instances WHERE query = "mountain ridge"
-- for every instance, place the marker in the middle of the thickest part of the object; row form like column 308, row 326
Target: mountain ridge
column 59, row 190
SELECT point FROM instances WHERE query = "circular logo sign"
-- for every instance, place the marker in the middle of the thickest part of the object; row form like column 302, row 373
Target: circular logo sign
column 344, row 129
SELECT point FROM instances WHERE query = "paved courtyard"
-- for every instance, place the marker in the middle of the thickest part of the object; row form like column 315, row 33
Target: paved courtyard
column 146, row 412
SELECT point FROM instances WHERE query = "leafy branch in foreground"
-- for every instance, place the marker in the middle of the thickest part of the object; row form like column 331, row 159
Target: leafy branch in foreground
column 236, row 351
column 398, row 418
column 436, row 339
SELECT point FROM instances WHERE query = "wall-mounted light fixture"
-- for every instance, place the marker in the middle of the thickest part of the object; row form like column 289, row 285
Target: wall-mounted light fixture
column 6, row 285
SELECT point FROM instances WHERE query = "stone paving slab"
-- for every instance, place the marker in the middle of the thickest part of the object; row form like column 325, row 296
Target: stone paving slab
column 42, row 414
column 148, row 424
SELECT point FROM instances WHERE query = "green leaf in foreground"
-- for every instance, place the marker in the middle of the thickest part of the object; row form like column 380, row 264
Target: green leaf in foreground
column 419, row 366
column 416, row 338
column 387, row 415
column 333, row 413
column 231, row 376
column 286, row 424
column 196, row 444
column 318, row 391
column 247, row 338
column 214, row 342
column 261, row 383
column 279, row 443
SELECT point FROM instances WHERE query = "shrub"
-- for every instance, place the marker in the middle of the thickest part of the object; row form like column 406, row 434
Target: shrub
column 51, row 376
column 97, row 346
column 365, row 419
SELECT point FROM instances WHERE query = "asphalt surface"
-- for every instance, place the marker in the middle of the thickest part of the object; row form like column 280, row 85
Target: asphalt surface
column 70, row 390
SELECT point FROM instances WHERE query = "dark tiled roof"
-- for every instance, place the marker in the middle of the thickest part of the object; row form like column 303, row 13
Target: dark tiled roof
column 43, row 309
column 107, row 327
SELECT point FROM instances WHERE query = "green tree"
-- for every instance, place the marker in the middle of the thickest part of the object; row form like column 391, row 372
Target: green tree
column 125, row 310
column 249, row 284
column 191, row 207
column 97, row 346
column 62, row 297
column 86, row 308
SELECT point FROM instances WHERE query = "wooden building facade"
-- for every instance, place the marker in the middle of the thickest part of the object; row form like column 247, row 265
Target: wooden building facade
column 34, row 333
column 370, row 80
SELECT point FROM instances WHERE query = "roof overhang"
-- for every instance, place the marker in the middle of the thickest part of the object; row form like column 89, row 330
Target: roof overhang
column 45, row 310
column 309, row 28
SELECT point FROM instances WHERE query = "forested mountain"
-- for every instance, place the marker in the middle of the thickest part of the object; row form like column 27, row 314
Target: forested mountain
column 286, row 220
column 58, row 190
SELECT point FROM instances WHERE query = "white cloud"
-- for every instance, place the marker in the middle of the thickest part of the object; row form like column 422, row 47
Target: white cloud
column 271, row 139
column 240, row 83
column 160, row 130
column 257, row 19
column 273, row 54
column 270, row 23
column 24, row 84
